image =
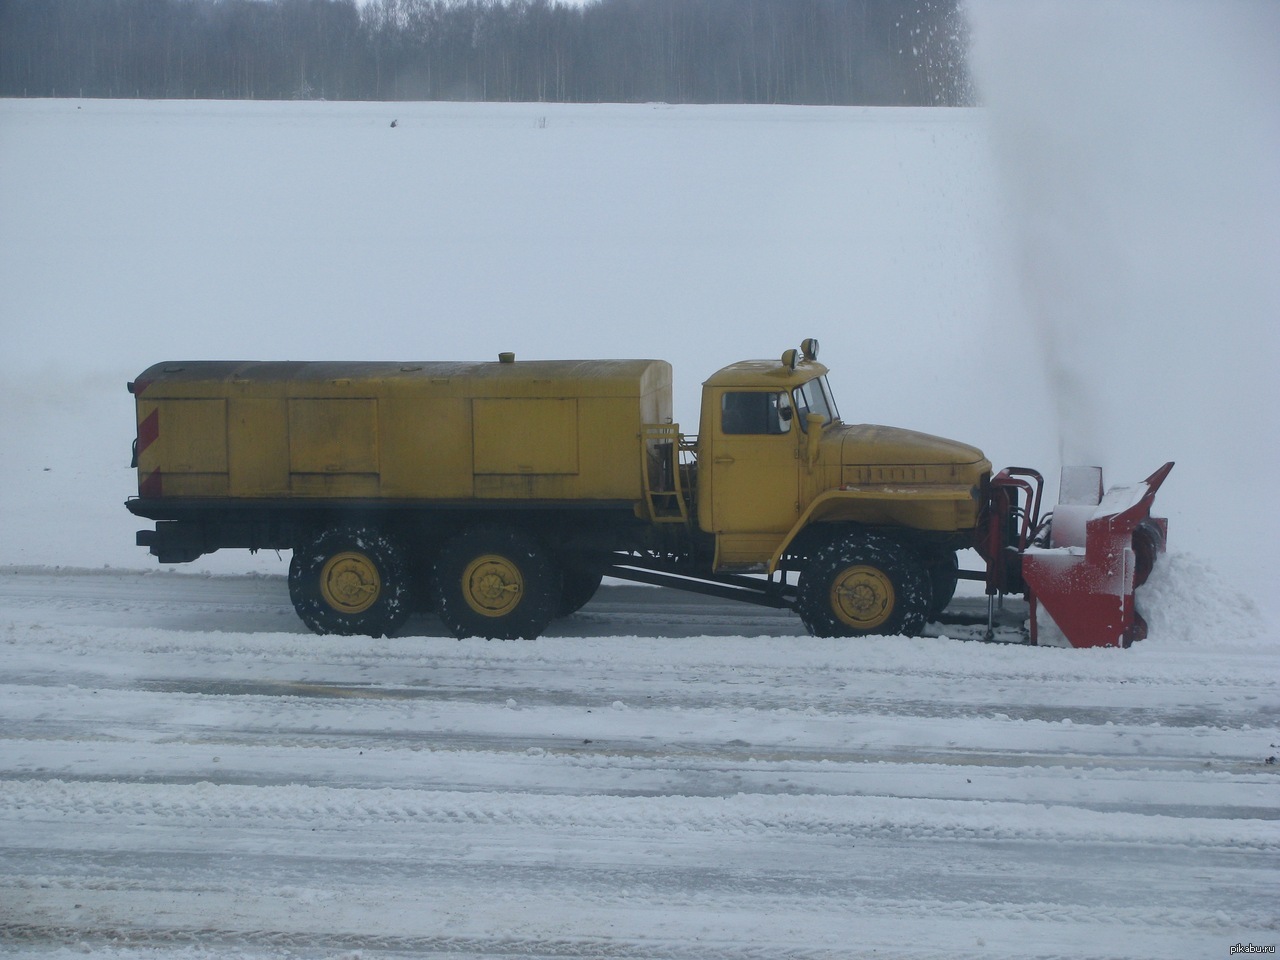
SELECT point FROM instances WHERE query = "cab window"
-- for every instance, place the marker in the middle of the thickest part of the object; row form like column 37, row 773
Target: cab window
column 755, row 413
column 815, row 397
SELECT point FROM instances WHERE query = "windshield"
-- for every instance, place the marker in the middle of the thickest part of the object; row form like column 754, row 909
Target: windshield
column 815, row 397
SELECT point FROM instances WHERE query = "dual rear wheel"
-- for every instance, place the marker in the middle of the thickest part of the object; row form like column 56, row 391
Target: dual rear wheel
column 488, row 581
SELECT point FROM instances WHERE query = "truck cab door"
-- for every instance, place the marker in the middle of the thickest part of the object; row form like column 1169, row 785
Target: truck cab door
column 755, row 475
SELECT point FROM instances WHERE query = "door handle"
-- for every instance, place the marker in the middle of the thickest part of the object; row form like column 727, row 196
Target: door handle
column 724, row 459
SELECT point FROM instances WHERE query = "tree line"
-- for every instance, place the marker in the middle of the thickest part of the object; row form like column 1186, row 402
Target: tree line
column 869, row 52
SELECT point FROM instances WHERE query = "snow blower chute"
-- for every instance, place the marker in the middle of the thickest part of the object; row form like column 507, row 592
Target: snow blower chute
column 1078, row 566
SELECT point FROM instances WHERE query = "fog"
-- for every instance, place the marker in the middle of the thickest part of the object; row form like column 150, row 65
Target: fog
column 1137, row 148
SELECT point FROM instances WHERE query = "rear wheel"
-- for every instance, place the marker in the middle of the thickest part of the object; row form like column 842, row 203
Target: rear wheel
column 351, row 580
column 424, row 593
column 580, row 585
column 944, row 576
column 496, row 582
column 864, row 584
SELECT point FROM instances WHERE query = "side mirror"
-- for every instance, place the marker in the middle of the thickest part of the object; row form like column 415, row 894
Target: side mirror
column 815, row 423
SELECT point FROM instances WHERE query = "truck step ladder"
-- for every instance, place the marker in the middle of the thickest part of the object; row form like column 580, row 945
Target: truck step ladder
column 664, row 493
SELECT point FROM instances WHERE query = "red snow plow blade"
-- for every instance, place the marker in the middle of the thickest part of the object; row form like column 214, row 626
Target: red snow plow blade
column 1080, row 566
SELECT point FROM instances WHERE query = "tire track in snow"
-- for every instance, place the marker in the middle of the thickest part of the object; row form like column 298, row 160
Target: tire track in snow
column 216, row 940
column 831, row 731
column 298, row 806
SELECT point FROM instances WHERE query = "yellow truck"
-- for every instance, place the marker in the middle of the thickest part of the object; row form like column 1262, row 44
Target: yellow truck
column 499, row 494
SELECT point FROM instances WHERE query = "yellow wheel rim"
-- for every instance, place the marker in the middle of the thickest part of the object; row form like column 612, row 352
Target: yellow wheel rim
column 349, row 582
column 862, row 597
column 492, row 585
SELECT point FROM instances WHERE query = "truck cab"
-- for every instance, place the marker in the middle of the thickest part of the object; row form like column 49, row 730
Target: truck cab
column 778, row 468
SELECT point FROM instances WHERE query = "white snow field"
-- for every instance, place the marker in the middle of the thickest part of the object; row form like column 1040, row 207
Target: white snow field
column 186, row 773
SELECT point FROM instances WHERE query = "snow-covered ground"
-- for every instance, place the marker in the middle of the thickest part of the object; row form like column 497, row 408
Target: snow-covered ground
column 185, row 773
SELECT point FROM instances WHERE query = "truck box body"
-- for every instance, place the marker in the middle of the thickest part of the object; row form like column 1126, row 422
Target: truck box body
column 436, row 431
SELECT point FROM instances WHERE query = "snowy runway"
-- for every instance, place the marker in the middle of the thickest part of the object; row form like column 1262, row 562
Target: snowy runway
column 261, row 792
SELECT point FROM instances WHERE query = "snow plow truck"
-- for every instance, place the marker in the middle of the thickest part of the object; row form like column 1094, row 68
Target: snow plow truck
column 500, row 494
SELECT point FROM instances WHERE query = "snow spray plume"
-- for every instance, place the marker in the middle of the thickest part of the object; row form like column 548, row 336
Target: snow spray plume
column 1138, row 143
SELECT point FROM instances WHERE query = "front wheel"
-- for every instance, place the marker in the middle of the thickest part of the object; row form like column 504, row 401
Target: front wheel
column 496, row 582
column 351, row 581
column 580, row 584
column 944, row 577
column 864, row 584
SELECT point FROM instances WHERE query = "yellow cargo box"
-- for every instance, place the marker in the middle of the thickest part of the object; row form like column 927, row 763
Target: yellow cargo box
column 432, row 431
